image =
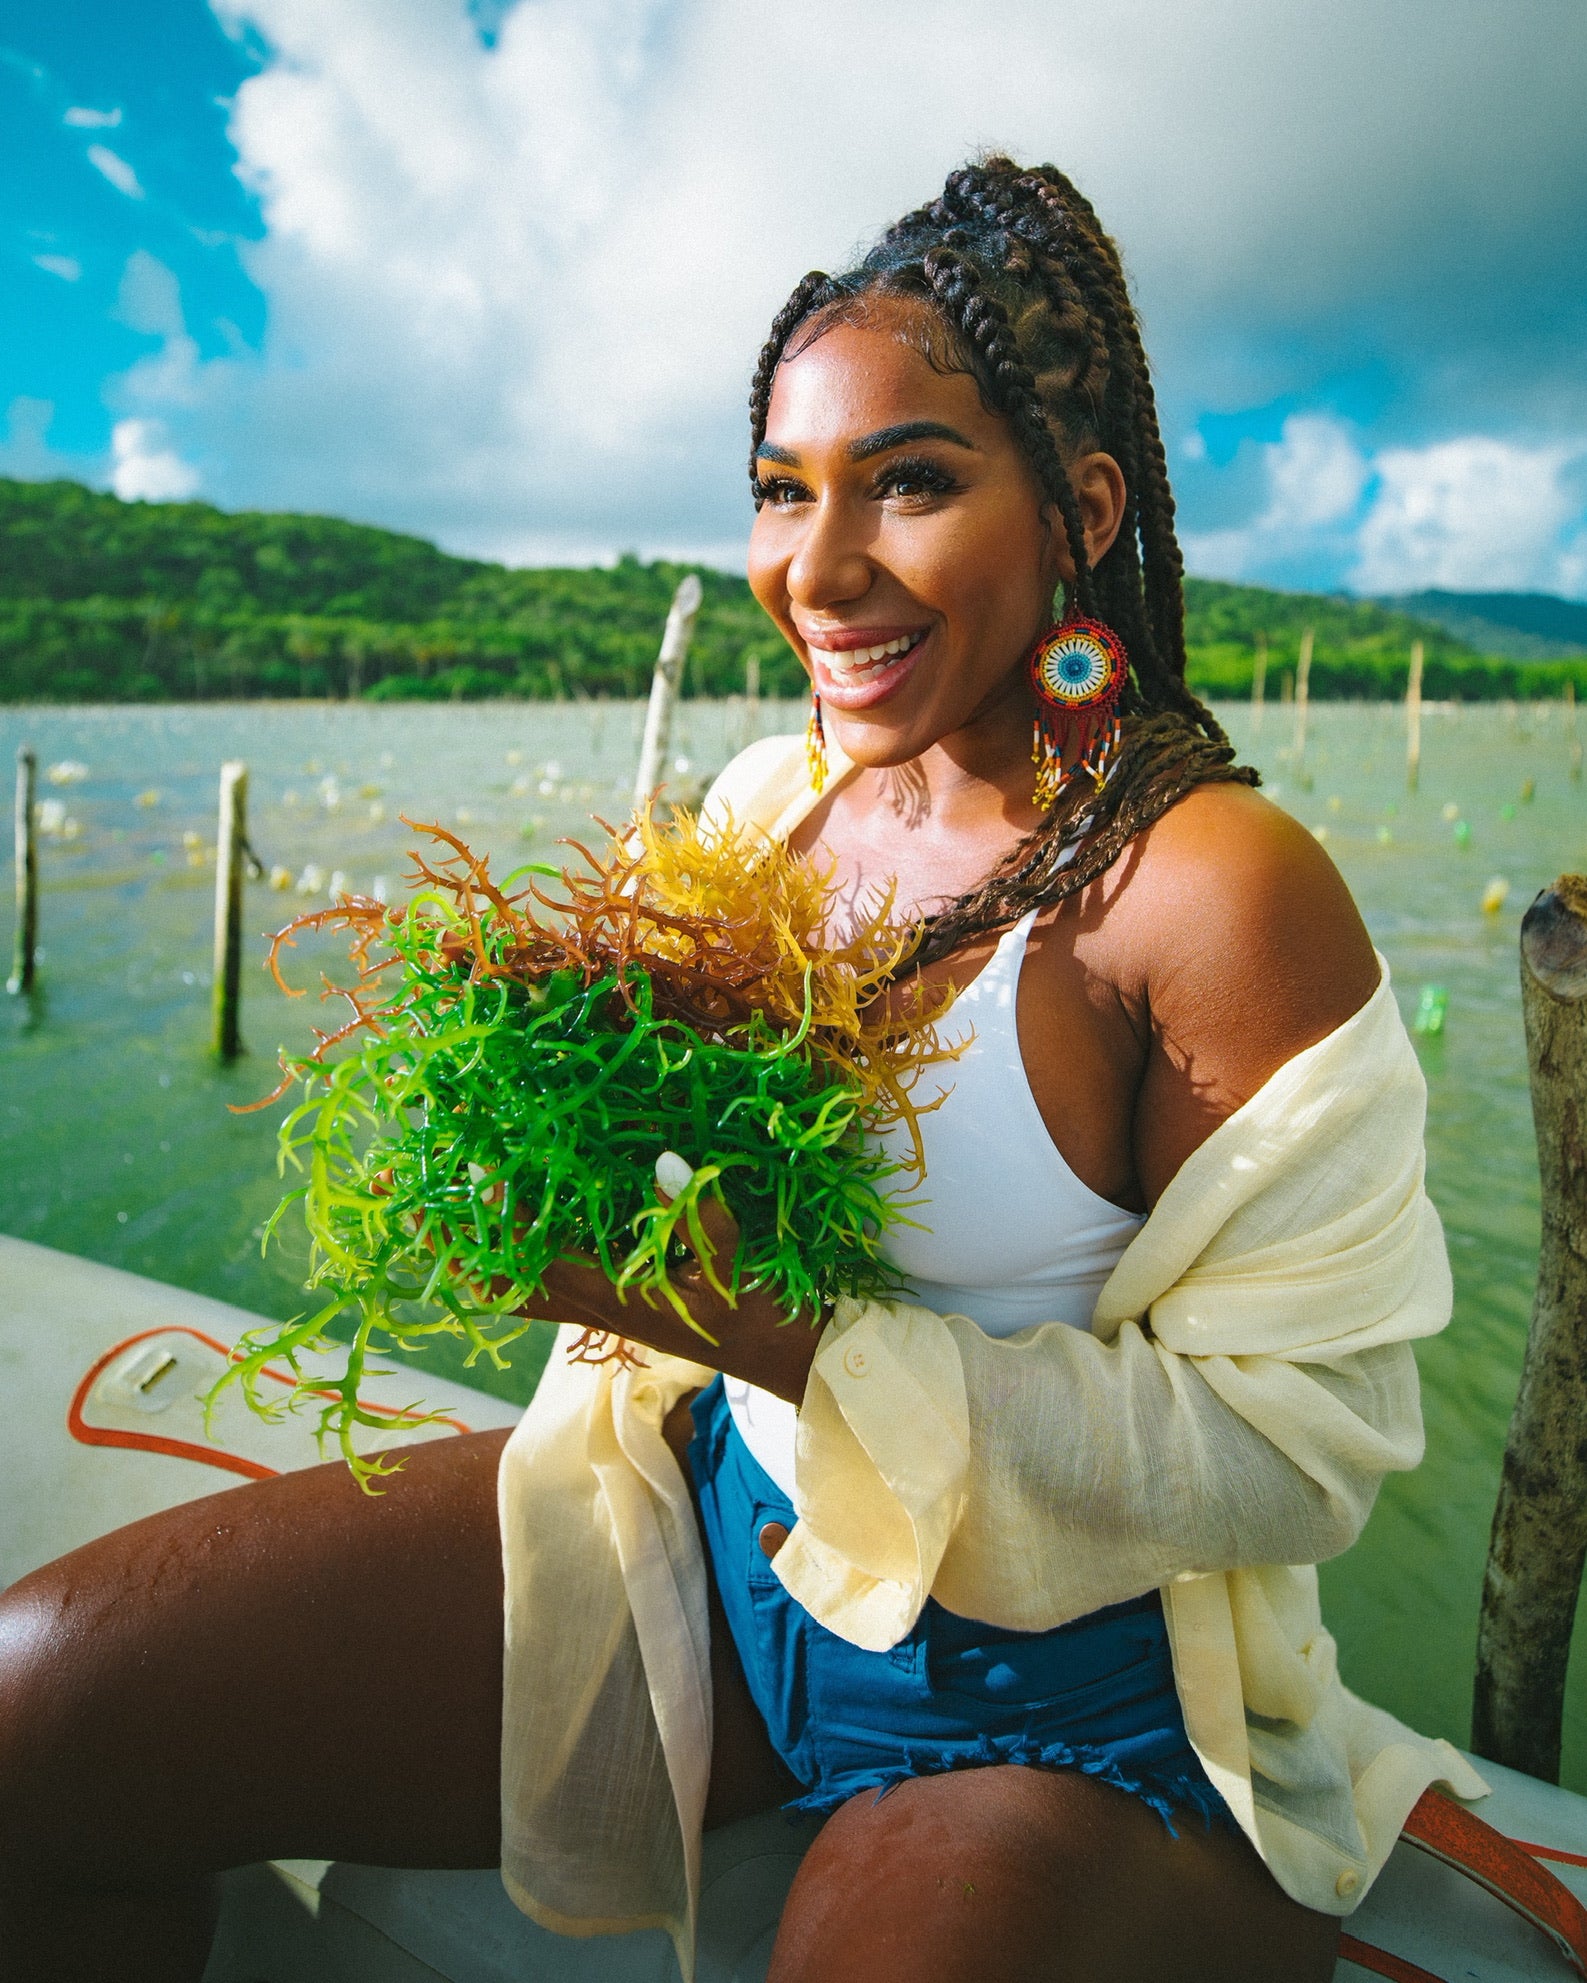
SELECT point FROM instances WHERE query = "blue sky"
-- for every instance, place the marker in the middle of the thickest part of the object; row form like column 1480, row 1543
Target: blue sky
column 497, row 273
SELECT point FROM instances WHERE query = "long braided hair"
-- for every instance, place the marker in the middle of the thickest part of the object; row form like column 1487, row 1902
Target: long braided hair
column 1013, row 265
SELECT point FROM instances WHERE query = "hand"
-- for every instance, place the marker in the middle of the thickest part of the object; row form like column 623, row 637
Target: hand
column 754, row 1340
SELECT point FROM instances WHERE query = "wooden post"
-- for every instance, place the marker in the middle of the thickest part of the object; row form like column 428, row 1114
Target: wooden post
column 1413, row 719
column 1570, row 731
column 1302, row 696
column 231, row 849
column 664, row 689
column 1258, row 684
column 23, row 956
column 1539, row 1539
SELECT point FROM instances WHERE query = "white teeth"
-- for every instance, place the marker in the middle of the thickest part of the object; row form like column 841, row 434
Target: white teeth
column 857, row 659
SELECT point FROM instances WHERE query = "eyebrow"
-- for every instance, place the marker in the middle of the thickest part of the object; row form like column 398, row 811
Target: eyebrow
column 877, row 443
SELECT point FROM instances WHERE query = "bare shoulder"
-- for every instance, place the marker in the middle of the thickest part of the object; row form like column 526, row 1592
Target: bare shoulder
column 1241, row 937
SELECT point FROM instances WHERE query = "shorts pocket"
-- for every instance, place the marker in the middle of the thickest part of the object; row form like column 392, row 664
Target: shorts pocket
column 1076, row 1671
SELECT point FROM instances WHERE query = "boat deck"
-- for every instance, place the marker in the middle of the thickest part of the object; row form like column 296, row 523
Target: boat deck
column 99, row 1377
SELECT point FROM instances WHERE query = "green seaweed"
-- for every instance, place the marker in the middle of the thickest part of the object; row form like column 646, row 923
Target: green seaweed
column 508, row 1083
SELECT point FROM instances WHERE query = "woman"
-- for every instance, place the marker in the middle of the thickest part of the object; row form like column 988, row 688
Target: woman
column 1009, row 1561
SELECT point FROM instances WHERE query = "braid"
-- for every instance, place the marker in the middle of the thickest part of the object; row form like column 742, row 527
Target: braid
column 1017, row 268
column 809, row 295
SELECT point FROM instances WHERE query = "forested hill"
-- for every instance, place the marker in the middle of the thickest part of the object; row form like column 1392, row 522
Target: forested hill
column 110, row 601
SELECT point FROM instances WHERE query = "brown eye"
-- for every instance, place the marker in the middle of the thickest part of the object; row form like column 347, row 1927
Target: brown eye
column 779, row 491
column 914, row 481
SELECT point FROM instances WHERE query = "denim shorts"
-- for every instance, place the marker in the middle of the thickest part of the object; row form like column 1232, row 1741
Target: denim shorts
column 1096, row 1695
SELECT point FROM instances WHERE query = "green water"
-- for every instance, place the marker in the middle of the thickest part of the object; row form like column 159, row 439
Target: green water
column 115, row 1141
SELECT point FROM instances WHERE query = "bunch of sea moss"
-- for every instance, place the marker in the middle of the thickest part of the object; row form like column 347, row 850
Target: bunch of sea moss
column 517, row 1061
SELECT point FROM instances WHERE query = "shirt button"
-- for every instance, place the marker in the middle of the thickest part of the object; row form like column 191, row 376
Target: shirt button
column 771, row 1538
column 855, row 1361
column 1346, row 1884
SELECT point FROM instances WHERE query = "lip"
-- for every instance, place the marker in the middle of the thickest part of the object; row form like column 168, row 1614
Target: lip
column 844, row 640
column 841, row 693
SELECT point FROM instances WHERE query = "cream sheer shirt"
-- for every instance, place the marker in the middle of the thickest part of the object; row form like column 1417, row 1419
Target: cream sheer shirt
column 1246, row 1383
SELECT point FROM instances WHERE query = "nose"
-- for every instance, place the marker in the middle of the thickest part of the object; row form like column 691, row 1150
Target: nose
column 832, row 564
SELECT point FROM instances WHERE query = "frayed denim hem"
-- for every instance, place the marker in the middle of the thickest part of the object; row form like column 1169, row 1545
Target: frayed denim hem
column 1165, row 1793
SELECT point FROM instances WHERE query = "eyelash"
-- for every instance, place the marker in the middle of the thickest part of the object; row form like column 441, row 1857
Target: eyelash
column 783, row 490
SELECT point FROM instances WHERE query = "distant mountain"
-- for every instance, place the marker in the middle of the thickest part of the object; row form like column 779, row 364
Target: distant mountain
column 1522, row 626
column 133, row 602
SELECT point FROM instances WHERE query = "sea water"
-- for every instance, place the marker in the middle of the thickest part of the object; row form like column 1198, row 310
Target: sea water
column 116, row 1143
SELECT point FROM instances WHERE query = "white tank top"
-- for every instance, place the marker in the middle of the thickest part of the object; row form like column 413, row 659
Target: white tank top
column 1003, row 1231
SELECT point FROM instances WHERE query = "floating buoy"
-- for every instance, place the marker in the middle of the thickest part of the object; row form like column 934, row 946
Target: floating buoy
column 147, row 799
column 312, row 879
column 1431, row 1006
column 1495, row 895
column 1320, row 834
column 1451, row 811
column 67, row 772
column 1507, row 811
column 1528, row 791
column 280, row 878
column 1335, row 803
column 1462, row 833
column 339, row 885
column 1385, row 837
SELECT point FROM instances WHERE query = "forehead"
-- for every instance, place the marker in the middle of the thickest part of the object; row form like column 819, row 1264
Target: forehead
column 854, row 379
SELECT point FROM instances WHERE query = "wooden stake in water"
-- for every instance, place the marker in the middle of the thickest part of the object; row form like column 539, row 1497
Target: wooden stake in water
column 1570, row 731
column 1258, row 684
column 1539, row 1540
column 664, row 689
column 231, row 852
column 1413, row 719
column 1302, row 696
column 23, row 959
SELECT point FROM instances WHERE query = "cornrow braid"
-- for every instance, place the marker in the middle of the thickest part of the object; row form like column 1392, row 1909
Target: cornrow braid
column 1028, row 291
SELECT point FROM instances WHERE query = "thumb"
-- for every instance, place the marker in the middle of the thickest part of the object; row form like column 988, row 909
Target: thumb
column 707, row 1228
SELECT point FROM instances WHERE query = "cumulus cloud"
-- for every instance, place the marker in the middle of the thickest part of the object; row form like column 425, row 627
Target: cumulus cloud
column 1470, row 514
column 516, row 281
column 1475, row 514
column 81, row 118
column 116, row 169
column 67, row 267
column 145, row 467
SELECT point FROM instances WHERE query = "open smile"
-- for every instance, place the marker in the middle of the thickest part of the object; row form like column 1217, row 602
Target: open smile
column 854, row 676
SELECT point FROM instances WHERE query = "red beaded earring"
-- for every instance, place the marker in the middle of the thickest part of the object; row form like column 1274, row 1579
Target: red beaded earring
column 1077, row 669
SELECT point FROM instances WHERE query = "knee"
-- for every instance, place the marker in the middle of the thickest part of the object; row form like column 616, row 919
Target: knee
column 37, row 1714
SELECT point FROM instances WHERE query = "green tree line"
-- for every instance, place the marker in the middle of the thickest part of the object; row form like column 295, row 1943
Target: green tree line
column 108, row 601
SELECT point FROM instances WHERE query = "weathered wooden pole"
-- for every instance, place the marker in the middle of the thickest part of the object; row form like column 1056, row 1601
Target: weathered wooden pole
column 664, row 689
column 23, row 956
column 1539, row 1540
column 1570, row 731
column 1258, row 684
column 231, row 849
column 1413, row 718
column 1302, row 696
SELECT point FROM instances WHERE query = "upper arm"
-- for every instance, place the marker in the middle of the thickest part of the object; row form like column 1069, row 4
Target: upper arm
column 1250, row 950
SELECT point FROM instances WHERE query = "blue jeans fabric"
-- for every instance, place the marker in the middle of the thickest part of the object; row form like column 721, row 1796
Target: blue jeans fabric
column 1096, row 1695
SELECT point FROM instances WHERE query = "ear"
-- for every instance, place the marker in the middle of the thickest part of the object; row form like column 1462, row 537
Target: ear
column 1098, row 483
column 1099, row 489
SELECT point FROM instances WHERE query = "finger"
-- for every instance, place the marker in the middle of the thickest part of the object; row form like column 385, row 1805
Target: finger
column 710, row 1232
column 673, row 1175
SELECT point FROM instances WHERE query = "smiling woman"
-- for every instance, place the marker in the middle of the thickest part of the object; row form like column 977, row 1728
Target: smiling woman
column 1028, row 1546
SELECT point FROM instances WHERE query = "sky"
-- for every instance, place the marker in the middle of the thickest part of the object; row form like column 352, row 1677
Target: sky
column 496, row 271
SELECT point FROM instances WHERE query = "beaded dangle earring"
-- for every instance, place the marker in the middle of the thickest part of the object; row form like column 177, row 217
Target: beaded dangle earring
column 816, row 744
column 1077, row 669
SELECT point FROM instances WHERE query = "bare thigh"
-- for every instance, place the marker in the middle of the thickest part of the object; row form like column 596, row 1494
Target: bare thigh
column 1035, row 1876
column 292, row 1668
